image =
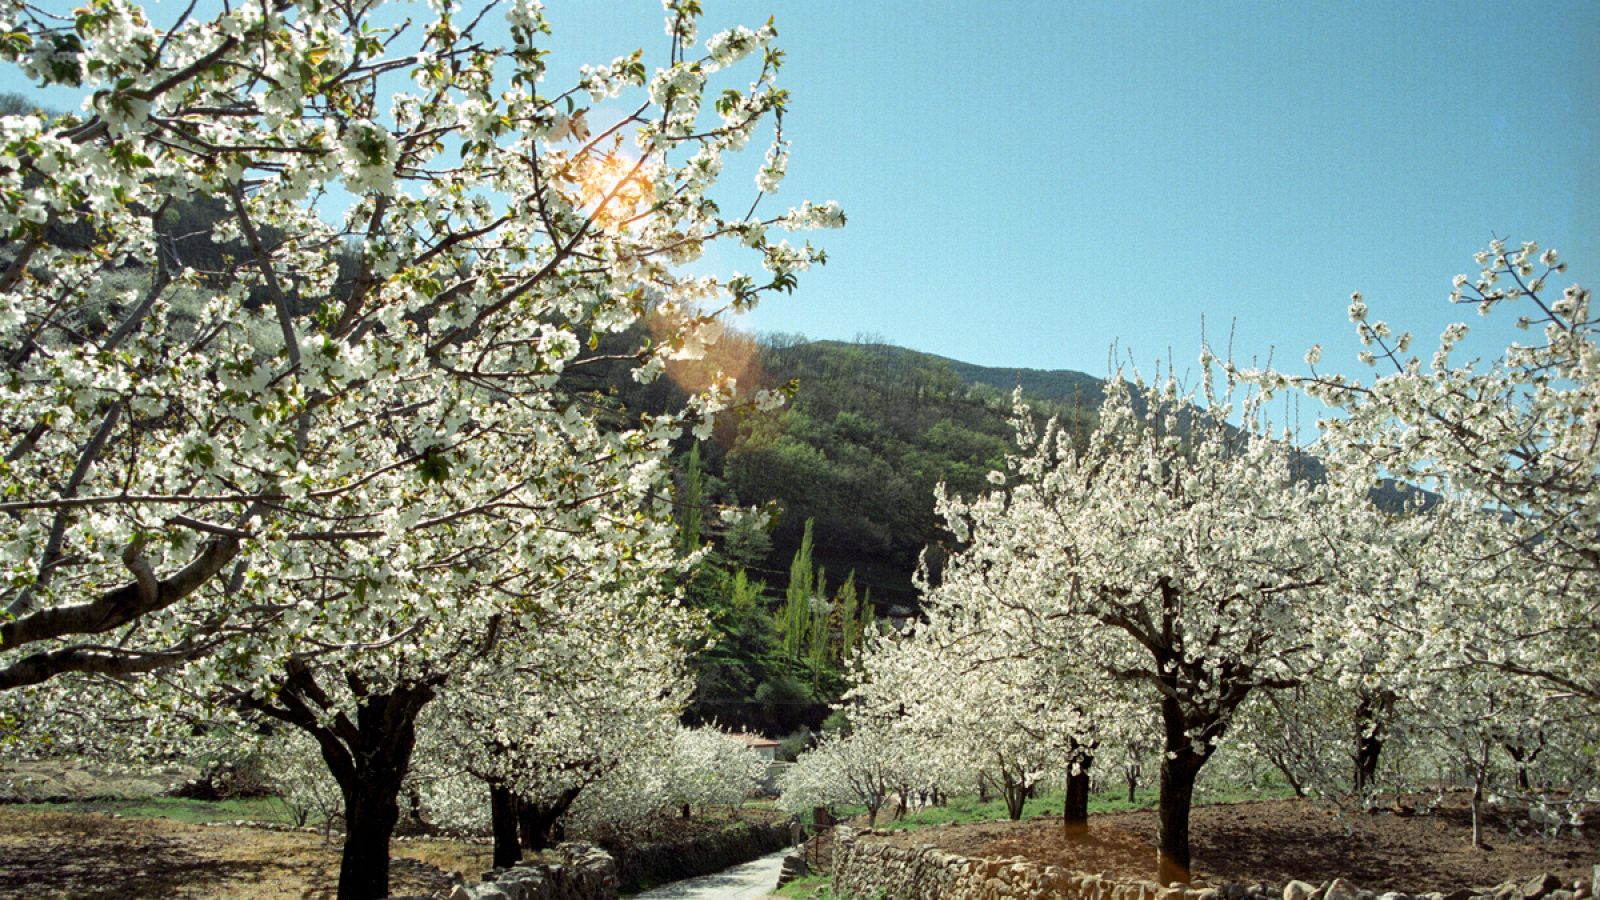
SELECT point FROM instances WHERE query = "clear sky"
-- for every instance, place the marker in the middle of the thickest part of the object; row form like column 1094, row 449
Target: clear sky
column 1030, row 182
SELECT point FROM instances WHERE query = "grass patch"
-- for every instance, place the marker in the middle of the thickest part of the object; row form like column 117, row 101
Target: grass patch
column 811, row 887
column 194, row 812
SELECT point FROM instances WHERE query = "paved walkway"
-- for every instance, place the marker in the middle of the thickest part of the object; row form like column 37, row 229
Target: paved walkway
column 750, row 881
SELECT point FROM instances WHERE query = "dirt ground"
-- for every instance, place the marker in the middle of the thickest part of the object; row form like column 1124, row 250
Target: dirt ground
column 1280, row 840
column 95, row 855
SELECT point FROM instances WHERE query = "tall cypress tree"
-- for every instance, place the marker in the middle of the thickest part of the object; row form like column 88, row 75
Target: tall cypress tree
column 691, row 503
column 797, row 599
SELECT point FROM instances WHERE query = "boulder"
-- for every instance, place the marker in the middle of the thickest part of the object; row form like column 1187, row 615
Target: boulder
column 1339, row 889
column 1298, row 890
column 1538, row 887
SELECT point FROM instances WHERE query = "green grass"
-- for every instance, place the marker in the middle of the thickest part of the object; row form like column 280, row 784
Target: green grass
column 811, row 887
column 195, row 812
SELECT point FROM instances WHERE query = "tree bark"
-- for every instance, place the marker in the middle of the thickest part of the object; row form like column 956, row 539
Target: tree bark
column 1180, row 765
column 371, row 811
column 503, row 822
column 371, row 764
column 1371, row 713
column 538, row 821
column 368, row 757
column 1016, row 794
column 1177, row 796
column 1075, row 808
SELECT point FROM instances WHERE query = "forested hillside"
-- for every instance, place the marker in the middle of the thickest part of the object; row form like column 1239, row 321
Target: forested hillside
column 847, row 472
column 870, row 432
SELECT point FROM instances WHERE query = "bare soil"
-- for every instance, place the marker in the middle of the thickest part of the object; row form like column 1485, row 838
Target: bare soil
column 46, row 854
column 1280, row 840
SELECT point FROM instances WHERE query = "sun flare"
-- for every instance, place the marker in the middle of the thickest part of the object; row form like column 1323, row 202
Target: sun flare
column 614, row 188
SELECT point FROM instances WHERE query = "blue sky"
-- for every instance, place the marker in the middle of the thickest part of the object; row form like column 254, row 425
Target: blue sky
column 1031, row 182
column 1028, row 183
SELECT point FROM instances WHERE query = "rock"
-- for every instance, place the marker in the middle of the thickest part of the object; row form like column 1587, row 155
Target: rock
column 1461, row 894
column 1393, row 895
column 1538, row 887
column 1339, row 889
column 459, row 892
column 1297, row 890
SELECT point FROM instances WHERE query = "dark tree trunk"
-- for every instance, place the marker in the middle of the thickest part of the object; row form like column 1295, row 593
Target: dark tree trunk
column 1132, row 773
column 1180, row 765
column 538, row 821
column 1075, row 808
column 1522, row 758
column 368, row 757
column 386, row 734
column 1177, row 796
column 1371, row 715
column 1016, row 794
column 370, row 816
column 503, row 822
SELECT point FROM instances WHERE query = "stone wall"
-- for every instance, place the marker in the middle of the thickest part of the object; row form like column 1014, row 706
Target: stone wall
column 578, row 872
column 865, row 868
column 658, row 863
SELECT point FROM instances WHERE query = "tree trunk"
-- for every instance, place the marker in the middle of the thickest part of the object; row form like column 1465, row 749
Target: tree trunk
column 1477, row 806
column 387, row 724
column 538, row 821
column 1180, row 765
column 368, row 757
column 371, row 812
column 1075, row 808
column 1371, row 714
column 1132, row 772
column 1016, row 794
column 503, row 821
column 1177, row 796
column 1521, row 758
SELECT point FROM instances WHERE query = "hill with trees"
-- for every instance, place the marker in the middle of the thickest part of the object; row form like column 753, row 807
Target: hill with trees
column 847, row 474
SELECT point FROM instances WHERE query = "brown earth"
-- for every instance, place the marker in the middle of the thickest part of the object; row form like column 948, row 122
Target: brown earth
column 1280, row 840
column 76, row 855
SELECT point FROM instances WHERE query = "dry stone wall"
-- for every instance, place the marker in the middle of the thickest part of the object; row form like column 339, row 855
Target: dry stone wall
column 656, row 863
column 870, row 869
column 580, row 872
